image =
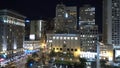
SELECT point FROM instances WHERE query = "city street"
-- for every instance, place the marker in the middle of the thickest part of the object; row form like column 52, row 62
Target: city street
column 21, row 63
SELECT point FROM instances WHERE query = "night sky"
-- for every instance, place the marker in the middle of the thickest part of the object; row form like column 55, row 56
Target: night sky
column 37, row 9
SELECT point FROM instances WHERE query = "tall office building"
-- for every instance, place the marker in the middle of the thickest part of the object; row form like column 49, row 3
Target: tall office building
column 60, row 16
column 37, row 36
column 71, row 18
column 27, row 29
column 65, row 38
column 66, row 18
column 111, row 24
column 87, row 15
column 88, row 31
column 11, row 33
column 37, row 29
column 88, row 37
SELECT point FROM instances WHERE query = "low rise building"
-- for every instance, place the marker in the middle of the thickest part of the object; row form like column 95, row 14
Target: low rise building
column 64, row 43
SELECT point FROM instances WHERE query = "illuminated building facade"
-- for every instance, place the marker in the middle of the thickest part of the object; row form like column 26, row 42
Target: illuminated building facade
column 88, row 29
column 37, row 28
column 64, row 43
column 66, row 18
column 31, row 45
column 88, row 32
column 106, row 51
column 37, row 35
column 111, row 24
column 11, row 33
column 87, row 15
column 65, row 38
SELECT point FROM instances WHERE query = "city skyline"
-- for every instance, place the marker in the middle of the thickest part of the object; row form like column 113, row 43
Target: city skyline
column 65, row 30
column 46, row 9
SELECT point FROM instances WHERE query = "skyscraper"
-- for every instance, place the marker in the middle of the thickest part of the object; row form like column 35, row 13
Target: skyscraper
column 87, row 15
column 111, row 22
column 11, row 33
column 88, row 30
column 65, row 38
column 66, row 18
column 60, row 17
column 111, row 25
column 37, row 28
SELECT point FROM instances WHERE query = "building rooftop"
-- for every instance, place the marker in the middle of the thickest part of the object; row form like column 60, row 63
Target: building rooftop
column 11, row 13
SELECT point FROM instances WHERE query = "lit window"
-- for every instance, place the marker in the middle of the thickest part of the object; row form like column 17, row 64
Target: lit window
column 83, row 35
column 57, row 37
column 50, row 41
column 92, row 9
column 7, row 37
column 76, row 38
column 65, row 38
column 64, row 42
column 27, row 21
column 91, row 14
column 68, row 38
column 71, row 38
column 10, row 30
column 60, row 37
column 81, row 27
column 9, row 21
column 5, row 21
column 53, row 37
column 115, row 4
column 90, row 35
column 66, row 15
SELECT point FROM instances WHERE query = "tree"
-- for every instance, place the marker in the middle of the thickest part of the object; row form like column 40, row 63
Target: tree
column 52, row 53
column 102, row 63
column 30, row 62
column 82, row 62
column 35, row 55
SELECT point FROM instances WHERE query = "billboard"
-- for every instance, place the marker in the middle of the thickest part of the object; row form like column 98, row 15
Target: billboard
column 32, row 36
column 117, row 55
